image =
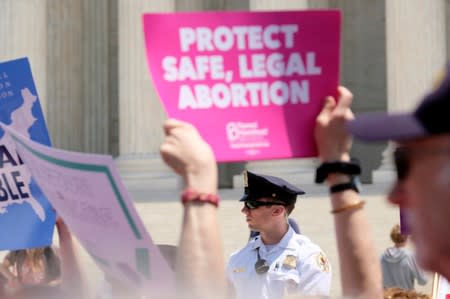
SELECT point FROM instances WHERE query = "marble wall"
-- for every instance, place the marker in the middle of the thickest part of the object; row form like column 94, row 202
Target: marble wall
column 88, row 60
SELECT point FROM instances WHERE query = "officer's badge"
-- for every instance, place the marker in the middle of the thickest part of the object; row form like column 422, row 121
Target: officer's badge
column 239, row 270
column 322, row 262
column 290, row 262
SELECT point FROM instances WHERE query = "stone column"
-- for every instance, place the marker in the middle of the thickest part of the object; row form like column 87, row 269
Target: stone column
column 64, row 73
column 113, row 77
column 319, row 4
column 140, row 112
column 278, row 5
column 416, row 52
column 296, row 171
column 78, row 69
column 363, row 67
column 217, row 5
column 67, row 45
column 23, row 33
column 97, row 75
column 226, row 170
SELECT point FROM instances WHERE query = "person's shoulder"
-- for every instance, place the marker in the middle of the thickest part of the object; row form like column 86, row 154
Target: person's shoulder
column 304, row 242
column 245, row 250
column 408, row 251
column 306, row 249
column 311, row 254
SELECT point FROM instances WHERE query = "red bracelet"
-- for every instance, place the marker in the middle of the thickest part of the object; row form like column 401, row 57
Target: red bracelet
column 191, row 195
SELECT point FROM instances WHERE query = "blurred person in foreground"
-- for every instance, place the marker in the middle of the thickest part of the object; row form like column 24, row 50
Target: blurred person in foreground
column 398, row 264
column 31, row 267
column 422, row 159
column 70, row 285
column 200, row 263
column 360, row 270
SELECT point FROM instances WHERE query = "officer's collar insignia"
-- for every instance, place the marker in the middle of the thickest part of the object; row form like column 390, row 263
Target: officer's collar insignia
column 239, row 270
column 290, row 262
column 322, row 262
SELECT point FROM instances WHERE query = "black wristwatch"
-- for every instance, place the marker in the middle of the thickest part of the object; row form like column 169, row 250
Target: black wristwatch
column 350, row 168
column 354, row 184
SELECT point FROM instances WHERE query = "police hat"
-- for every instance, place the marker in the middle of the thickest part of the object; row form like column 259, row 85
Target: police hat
column 266, row 186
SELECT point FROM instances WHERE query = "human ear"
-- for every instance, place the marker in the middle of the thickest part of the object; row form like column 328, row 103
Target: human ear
column 278, row 210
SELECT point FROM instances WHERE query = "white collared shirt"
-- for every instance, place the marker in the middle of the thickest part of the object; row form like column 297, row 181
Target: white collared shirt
column 297, row 266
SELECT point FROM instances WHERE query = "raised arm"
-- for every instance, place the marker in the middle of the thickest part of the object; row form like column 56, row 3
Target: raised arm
column 359, row 265
column 5, row 267
column 13, row 284
column 200, row 266
column 71, row 280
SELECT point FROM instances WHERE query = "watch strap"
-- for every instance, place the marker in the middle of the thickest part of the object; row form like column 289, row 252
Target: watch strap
column 350, row 168
column 344, row 186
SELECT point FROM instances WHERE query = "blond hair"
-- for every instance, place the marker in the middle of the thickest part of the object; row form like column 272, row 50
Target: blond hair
column 396, row 235
column 398, row 293
column 36, row 258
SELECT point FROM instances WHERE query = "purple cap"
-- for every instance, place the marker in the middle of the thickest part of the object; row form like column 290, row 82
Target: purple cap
column 431, row 117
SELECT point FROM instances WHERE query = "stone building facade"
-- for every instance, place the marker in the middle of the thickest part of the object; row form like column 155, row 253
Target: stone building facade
column 88, row 60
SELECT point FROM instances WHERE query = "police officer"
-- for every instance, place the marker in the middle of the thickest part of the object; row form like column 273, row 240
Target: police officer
column 278, row 262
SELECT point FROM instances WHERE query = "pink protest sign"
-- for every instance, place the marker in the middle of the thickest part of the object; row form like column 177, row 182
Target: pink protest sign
column 251, row 82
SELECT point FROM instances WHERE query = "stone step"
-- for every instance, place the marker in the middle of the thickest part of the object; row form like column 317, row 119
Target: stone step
column 298, row 179
column 146, row 172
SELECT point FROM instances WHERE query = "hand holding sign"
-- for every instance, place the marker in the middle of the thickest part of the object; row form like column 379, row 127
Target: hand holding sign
column 251, row 82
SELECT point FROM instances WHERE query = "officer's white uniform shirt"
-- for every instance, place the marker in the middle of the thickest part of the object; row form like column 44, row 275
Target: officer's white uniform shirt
column 297, row 266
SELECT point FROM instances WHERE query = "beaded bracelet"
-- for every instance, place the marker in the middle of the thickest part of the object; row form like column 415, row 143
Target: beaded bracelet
column 192, row 195
column 353, row 206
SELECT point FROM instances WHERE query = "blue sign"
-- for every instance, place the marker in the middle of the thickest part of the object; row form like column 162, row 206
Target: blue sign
column 27, row 219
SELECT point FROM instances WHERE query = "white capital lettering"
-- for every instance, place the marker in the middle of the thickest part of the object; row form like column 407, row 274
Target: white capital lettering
column 269, row 41
column 186, row 99
column 187, row 38
column 289, row 31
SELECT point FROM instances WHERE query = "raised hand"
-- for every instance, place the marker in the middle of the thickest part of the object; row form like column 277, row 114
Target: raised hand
column 332, row 138
column 185, row 151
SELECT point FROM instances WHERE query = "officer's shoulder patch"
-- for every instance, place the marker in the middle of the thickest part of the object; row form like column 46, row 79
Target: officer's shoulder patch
column 322, row 262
